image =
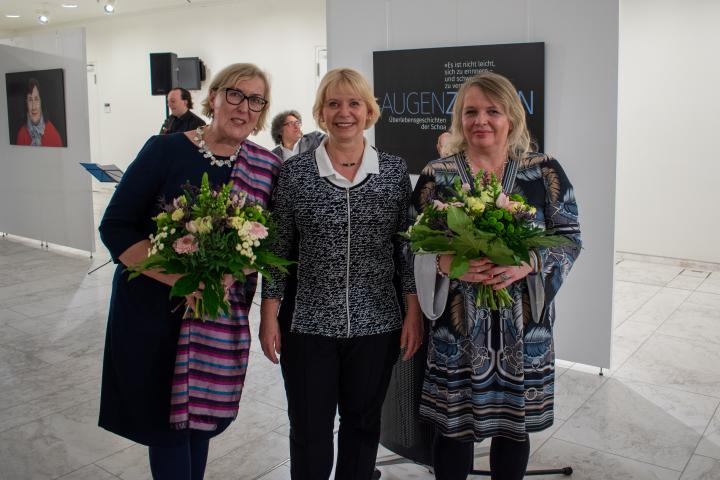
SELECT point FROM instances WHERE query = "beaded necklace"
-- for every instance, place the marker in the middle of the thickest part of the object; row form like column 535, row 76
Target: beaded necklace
column 202, row 148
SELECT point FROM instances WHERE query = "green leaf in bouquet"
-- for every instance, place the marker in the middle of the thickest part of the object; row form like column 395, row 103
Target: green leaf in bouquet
column 458, row 220
column 435, row 244
column 174, row 266
column 185, row 286
column 459, row 266
column 214, row 298
column 421, row 232
column 133, row 274
column 499, row 253
column 548, row 241
column 522, row 256
column 154, row 261
column 266, row 257
column 466, row 245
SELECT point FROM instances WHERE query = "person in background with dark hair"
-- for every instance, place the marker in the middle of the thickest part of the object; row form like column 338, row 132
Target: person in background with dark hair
column 181, row 119
column 37, row 130
column 287, row 134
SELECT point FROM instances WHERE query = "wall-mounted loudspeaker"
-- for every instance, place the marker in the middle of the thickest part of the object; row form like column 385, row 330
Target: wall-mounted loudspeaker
column 192, row 73
column 164, row 73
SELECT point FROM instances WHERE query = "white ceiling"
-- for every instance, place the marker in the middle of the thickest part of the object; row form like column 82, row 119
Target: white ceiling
column 86, row 9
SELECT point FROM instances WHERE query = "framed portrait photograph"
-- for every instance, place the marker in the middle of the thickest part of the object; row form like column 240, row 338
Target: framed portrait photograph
column 36, row 108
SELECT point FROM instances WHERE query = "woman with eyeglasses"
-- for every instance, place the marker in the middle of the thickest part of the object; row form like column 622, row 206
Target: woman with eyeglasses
column 37, row 130
column 142, row 361
column 340, row 208
column 286, row 131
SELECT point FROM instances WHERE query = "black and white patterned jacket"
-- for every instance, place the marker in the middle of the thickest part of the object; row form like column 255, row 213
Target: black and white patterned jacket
column 347, row 245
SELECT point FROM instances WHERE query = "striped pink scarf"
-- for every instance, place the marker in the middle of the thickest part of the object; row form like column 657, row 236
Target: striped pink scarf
column 212, row 356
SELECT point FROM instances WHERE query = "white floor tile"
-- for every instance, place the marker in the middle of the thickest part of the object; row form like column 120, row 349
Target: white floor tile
column 57, row 444
column 128, row 464
column 702, row 468
column 675, row 362
column 590, row 464
column 651, row 424
column 572, row 390
column 91, row 472
column 626, row 339
column 267, row 453
column 656, row 310
column 628, row 297
column 709, row 446
column 646, row 273
column 694, row 322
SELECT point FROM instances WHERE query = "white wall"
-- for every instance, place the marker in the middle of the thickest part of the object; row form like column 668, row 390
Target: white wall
column 280, row 37
column 669, row 123
column 44, row 192
column 581, row 41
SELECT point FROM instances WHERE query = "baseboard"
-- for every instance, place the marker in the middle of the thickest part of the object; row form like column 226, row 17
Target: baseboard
column 677, row 262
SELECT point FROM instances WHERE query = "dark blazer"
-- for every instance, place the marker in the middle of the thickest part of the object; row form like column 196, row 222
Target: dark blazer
column 309, row 141
column 186, row 122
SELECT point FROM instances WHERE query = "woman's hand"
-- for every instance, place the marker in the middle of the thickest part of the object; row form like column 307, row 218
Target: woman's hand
column 503, row 276
column 228, row 281
column 412, row 331
column 477, row 272
column 270, row 328
column 191, row 299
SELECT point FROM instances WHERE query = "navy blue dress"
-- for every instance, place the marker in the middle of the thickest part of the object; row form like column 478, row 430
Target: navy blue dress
column 142, row 330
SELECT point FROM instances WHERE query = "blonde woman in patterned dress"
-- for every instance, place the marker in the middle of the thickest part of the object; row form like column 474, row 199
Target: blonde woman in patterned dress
column 490, row 374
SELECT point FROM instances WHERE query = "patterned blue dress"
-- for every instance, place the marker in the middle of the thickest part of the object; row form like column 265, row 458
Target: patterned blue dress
column 492, row 373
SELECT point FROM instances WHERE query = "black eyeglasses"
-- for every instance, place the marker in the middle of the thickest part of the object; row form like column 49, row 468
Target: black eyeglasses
column 293, row 123
column 256, row 103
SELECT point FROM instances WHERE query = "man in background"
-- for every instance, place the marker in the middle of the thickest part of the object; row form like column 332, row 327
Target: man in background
column 181, row 119
column 287, row 135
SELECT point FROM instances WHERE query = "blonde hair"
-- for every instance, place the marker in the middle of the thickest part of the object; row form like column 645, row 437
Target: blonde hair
column 228, row 77
column 346, row 77
column 502, row 91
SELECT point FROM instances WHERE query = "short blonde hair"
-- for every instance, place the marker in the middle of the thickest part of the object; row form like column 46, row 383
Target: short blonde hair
column 228, row 77
column 502, row 91
column 346, row 77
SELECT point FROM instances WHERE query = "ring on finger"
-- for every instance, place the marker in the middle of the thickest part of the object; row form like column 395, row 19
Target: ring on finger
column 504, row 277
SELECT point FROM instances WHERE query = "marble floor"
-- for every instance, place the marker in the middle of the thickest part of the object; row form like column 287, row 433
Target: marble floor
column 654, row 415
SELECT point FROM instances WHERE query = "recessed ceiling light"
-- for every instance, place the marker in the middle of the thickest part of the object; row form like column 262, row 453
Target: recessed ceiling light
column 43, row 18
column 109, row 7
column 69, row 5
column 11, row 15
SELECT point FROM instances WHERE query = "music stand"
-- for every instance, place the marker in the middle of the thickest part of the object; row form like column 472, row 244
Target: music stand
column 105, row 174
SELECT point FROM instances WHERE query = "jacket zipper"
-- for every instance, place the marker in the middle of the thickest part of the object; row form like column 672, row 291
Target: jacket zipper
column 347, row 272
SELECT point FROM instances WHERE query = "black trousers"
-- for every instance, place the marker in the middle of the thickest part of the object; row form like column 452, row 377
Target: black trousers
column 185, row 461
column 453, row 459
column 322, row 375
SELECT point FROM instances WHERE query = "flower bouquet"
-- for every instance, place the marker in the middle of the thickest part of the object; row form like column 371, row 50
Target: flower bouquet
column 205, row 235
column 481, row 221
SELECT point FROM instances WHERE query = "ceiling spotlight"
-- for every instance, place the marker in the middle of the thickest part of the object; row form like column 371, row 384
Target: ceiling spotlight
column 109, row 7
column 43, row 18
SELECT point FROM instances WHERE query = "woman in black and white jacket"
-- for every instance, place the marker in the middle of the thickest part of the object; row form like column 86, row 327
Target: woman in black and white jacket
column 340, row 208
